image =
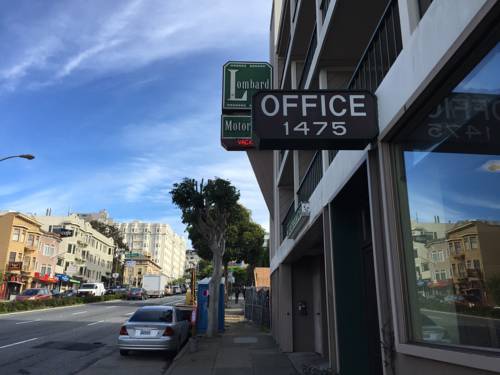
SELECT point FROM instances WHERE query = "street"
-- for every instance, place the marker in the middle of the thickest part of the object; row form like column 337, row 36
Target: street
column 78, row 339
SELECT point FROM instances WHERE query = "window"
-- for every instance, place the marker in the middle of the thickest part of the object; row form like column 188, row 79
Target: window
column 425, row 267
column 31, row 239
column 446, row 164
column 23, row 236
column 12, row 256
column 43, row 269
column 16, row 232
column 48, row 250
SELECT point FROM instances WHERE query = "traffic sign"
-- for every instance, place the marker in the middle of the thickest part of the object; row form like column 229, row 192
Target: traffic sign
column 241, row 80
column 115, row 275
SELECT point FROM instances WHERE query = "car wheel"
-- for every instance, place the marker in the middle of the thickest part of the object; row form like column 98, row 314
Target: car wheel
column 123, row 352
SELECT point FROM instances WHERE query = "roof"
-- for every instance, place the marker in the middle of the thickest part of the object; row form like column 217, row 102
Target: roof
column 157, row 307
column 262, row 277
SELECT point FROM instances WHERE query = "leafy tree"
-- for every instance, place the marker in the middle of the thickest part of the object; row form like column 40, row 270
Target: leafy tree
column 113, row 232
column 207, row 209
column 205, row 269
column 244, row 242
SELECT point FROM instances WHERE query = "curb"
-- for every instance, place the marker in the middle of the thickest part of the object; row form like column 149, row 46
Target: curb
column 178, row 356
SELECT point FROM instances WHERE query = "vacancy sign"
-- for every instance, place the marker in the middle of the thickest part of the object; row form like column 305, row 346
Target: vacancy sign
column 240, row 81
column 301, row 120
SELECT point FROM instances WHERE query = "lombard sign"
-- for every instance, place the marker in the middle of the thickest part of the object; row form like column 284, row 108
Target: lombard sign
column 314, row 119
column 241, row 80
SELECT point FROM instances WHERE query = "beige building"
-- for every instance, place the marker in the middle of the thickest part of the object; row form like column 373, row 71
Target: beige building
column 158, row 242
column 88, row 254
column 133, row 274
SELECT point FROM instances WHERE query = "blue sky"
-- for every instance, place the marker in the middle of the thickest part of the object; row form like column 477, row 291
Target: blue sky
column 120, row 99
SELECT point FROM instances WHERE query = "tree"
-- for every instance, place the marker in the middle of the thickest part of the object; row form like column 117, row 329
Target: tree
column 206, row 210
column 113, row 232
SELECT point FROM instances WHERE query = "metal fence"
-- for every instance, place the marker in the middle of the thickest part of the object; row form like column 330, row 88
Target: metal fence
column 257, row 306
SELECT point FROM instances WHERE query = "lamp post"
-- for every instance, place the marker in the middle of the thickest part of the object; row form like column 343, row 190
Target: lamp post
column 22, row 156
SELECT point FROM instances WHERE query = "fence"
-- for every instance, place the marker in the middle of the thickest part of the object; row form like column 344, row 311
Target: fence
column 257, row 306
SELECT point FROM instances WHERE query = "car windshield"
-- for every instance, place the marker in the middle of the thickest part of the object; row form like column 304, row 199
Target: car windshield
column 158, row 316
column 32, row 292
column 87, row 286
column 135, row 290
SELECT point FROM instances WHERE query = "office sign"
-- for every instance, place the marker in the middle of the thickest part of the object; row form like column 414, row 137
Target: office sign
column 241, row 80
column 341, row 120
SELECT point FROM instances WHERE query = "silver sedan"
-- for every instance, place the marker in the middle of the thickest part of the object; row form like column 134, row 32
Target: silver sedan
column 154, row 328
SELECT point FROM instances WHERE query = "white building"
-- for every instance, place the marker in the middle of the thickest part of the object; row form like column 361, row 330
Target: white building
column 192, row 259
column 346, row 275
column 88, row 254
column 158, row 241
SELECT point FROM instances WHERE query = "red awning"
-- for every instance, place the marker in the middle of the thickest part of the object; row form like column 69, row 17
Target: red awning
column 440, row 284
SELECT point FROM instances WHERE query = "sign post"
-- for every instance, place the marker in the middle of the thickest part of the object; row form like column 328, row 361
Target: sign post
column 240, row 81
column 302, row 120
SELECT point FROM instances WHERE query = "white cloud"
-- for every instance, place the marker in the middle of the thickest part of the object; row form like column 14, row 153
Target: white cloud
column 98, row 38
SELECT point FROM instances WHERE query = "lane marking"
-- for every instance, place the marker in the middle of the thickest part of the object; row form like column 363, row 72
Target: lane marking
column 29, row 321
column 109, row 307
column 17, row 343
column 91, row 324
column 80, row 312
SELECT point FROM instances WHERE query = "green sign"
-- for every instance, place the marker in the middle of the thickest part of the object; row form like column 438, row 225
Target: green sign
column 132, row 255
column 236, row 127
column 243, row 79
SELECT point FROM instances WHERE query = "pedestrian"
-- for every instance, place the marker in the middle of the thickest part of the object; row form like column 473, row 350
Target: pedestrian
column 237, row 292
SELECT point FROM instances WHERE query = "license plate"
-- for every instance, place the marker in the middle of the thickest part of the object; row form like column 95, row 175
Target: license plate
column 145, row 332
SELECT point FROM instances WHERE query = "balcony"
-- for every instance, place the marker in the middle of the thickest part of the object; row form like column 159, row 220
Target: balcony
column 286, row 220
column 311, row 178
column 309, row 57
column 29, row 248
column 383, row 48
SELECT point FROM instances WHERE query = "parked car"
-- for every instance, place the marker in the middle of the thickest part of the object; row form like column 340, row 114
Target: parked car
column 91, row 289
column 137, row 293
column 56, row 293
column 176, row 289
column 154, row 328
column 34, row 294
column 110, row 291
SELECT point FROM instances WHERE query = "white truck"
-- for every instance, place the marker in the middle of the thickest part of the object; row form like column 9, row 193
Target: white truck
column 154, row 285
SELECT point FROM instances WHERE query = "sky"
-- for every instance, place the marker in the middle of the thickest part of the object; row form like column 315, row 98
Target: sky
column 118, row 100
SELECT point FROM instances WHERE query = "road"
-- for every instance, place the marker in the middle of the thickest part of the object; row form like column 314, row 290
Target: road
column 75, row 340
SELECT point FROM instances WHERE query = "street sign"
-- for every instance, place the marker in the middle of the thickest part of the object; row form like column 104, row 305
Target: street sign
column 295, row 120
column 115, row 275
column 241, row 80
column 236, row 127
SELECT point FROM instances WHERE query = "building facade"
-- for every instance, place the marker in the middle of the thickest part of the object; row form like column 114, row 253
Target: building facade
column 192, row 260
column 133, row 273
column 377, row 254
column 88, row 254
column 29, row 256
column 158, row 242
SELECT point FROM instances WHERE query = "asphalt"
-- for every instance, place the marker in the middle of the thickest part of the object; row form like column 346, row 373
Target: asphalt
column 76, row 340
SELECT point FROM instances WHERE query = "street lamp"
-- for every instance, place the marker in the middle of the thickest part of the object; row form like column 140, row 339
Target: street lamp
column 23, row 156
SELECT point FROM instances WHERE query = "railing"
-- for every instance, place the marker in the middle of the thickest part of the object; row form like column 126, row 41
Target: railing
column 257, row 306
column 324, row 8
column 307, row 63
column 381, row 52
column 311, row 178
column 286, row 220
column 423, row 5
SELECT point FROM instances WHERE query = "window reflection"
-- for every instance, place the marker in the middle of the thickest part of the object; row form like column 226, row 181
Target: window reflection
column 449, row 184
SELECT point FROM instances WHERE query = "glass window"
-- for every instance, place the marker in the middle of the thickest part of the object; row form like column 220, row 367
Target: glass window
column 12, row 256
column 448, row 167
column 31, row 239
column 15, row 234
column 152, row 316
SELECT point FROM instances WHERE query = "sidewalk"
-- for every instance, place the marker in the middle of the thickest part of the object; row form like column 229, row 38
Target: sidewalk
column 243, row 349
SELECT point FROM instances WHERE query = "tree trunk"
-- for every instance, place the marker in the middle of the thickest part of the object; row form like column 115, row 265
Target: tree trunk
column 226, row 290
column 214, row 294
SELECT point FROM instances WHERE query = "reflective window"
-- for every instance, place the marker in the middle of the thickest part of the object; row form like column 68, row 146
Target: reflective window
column 449, row 183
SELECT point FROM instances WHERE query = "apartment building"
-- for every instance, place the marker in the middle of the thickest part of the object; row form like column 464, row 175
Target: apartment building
column 29, row 256
column 347, row 280
column 158, row 242
column 88, row 254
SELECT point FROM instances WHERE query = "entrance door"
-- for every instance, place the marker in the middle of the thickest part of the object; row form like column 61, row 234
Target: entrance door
column 355, row 291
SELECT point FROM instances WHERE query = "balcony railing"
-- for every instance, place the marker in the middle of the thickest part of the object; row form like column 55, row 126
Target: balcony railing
column 307, row 63
column 311, row 178
column 423, row 5
column 383, row 49
column 286, row 220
